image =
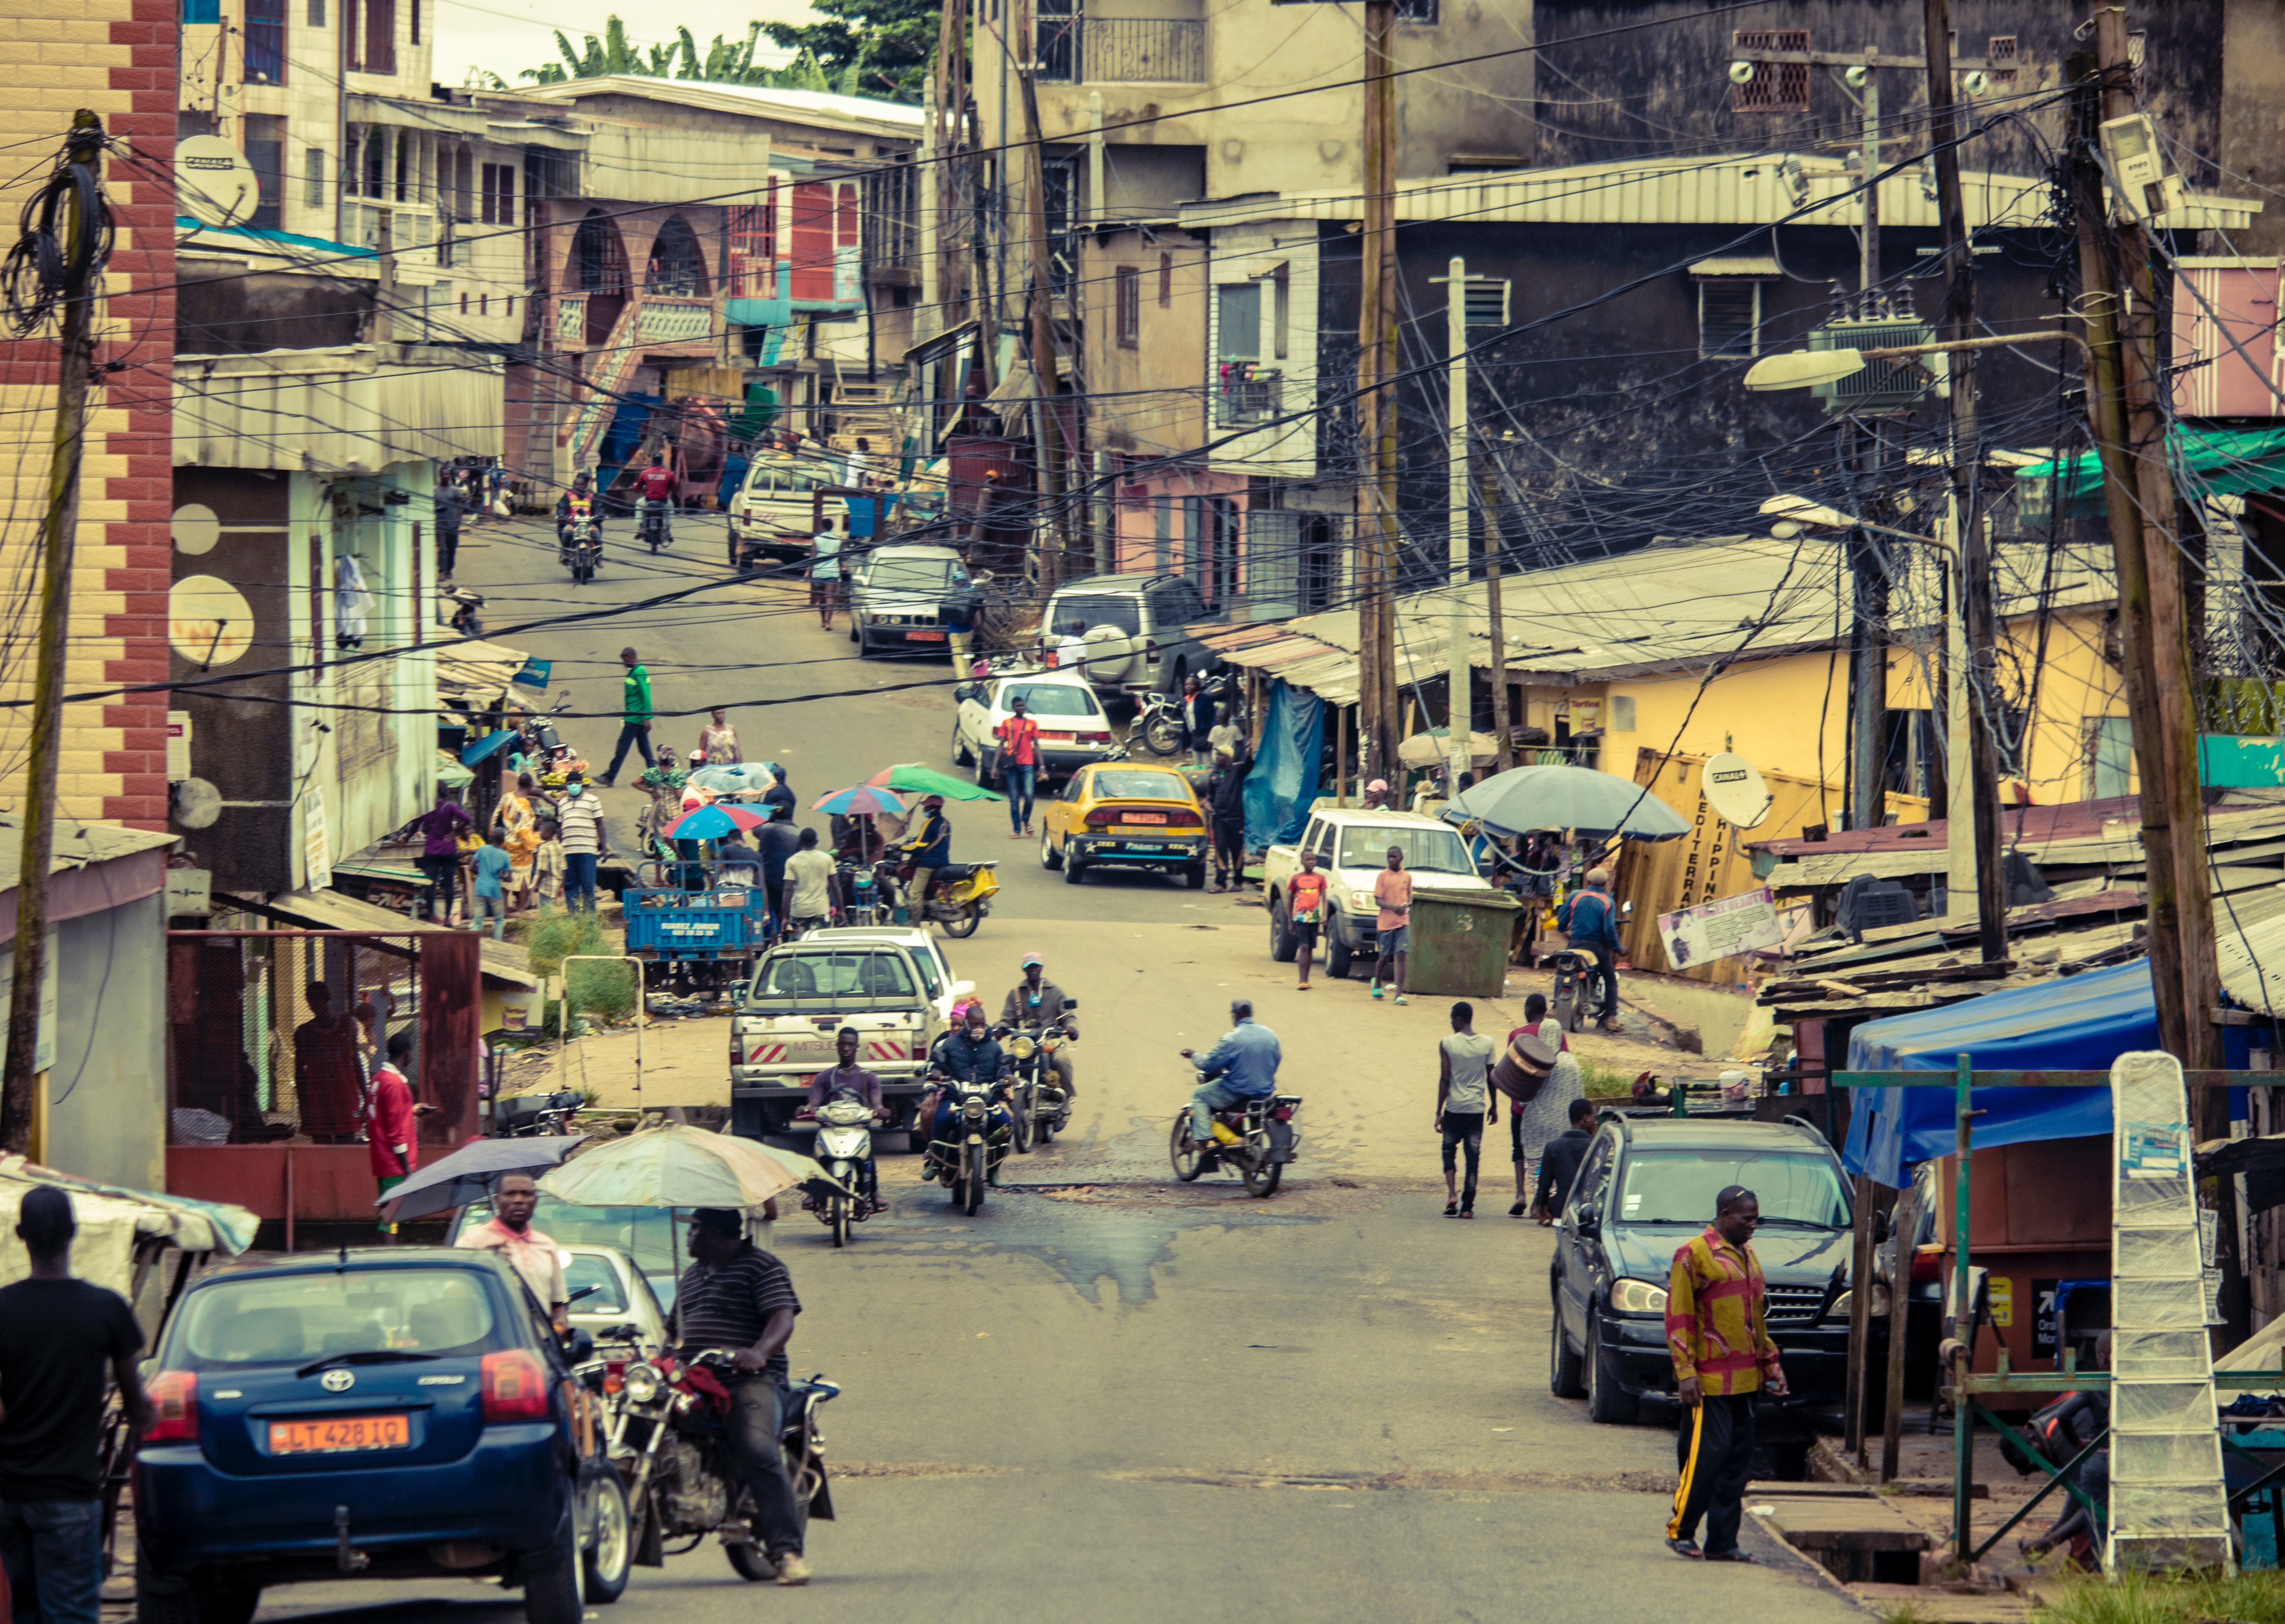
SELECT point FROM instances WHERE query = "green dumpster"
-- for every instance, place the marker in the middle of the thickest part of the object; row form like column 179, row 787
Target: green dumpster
column 1460, row 942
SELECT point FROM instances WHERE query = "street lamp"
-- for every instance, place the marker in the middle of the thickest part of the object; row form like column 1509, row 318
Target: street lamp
column 1802, row 369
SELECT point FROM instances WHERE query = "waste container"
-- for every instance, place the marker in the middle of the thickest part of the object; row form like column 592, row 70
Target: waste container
column 1460, row 942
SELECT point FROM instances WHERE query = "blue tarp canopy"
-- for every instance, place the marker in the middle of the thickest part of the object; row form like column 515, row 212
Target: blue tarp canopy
column 1283, row 783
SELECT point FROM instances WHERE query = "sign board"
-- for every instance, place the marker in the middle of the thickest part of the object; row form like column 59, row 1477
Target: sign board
column 43, row 1052
column 190, row 892
column 214, row 182
column 2046, row 1319
column 179, row 746
column 316, row 855
column 1721, row 930
column 2000, row 1294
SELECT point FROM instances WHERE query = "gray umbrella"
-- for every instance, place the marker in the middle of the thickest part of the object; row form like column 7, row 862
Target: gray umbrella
column 470, row 1172
column 1578, row 799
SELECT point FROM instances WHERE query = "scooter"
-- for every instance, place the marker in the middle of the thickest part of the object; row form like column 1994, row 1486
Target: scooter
column 844, row 1145
column 962, row 896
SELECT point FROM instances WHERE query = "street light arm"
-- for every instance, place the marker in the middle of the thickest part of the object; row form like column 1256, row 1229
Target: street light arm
column 2009, row 339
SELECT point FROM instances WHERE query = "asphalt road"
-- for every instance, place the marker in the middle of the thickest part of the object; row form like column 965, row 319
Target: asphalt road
column 1110, row 1392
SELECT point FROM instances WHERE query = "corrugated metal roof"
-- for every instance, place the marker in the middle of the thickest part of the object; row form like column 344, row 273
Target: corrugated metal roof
column 339, row 410
column 1740, row 265
column 477, row 671
column 1738, row 189
column 76, row 846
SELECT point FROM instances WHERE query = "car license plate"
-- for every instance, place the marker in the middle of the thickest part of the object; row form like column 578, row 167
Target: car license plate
column 1055, row 738
column 1146, row 817
column 339, row 1435
column 925, row 636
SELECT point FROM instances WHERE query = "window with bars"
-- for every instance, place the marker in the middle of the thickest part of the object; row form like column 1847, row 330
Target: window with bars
column 264, row 42
column 1416, row 11
column 753, row 249
column 1776, row 87
column 1730, row 317
column 1127, row 284
column 499, row 204
column 2002, row 52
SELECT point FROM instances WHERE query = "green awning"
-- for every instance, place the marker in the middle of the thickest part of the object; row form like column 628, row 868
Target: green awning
column 2207, row 462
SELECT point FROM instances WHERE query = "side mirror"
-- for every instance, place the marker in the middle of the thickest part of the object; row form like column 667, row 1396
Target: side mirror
column 1070, row 1003
column 1587, row 1220
column 578, row 1345
column 965, row 691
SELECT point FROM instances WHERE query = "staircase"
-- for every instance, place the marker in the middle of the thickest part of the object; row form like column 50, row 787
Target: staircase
column 615, row 366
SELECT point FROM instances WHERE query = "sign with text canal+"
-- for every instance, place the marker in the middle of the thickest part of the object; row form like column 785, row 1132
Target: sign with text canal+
column 214, row 183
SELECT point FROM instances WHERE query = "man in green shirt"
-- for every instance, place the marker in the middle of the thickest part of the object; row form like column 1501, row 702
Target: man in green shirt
column 634, row 727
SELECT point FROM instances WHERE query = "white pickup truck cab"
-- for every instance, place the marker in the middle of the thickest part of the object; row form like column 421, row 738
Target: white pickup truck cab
column 1351, row 846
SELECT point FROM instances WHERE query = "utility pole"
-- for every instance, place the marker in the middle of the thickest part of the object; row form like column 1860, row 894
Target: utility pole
column 1868, row 249
column 1376, row 438
column 1501, row 730
column 1979, row 620
column 82, row 271
column 1459, row 704
column 384, row 279
column 1051, row 430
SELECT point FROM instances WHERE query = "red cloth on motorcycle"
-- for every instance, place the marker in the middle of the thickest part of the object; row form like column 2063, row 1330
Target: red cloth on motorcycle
column 1523, row 1071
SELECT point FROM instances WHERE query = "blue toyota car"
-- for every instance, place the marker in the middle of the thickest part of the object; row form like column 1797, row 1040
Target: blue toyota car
column 403, row 1412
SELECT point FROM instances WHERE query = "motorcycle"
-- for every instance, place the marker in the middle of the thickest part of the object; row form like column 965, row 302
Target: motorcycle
column 655, row 523
column 1261, row 1142
column 844, row 1145
column 586, row 548
column 1035, row 1099
column 969, row 1158
column 1568, row 1001
column 1158, row 724
column 962, row 895
column 671, row 1438
column 535, row 1116
column 860, row 894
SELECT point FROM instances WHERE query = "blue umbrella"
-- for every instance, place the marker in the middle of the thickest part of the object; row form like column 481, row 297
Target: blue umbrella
column 1555, row 795
column 470, row 1172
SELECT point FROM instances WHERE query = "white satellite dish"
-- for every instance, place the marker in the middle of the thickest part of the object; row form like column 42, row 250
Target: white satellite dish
column 197, row 804
column 1735, row 792
column 214, row 183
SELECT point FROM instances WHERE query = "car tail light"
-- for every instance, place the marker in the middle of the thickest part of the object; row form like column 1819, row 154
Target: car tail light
column 1093, row 738
column 174, row 1396
column 1928, row 1265
column 1185, row 820
column 1149, row 652
column 614, row 1375
column 1102, row 817
column 514, row 1386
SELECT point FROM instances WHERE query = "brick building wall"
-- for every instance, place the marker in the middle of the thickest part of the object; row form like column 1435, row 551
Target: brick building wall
column 117, row 58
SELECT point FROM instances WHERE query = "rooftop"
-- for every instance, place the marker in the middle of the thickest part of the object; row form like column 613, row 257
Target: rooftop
column 855, row 114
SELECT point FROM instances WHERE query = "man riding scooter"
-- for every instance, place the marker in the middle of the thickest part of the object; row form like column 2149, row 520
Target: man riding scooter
column 967, row 1054
column 579, row 500
column 928, row 849
column 853, row 1081
column 1037, row 1002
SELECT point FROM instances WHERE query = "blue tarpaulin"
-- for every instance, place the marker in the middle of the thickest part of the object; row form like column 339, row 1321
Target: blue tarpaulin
column 1284, row 782
column 2072, row 1024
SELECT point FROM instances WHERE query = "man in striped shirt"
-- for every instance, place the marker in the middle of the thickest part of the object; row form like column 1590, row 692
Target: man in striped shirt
column 579, row 826
column 738, row 1298
column 1716, row 1331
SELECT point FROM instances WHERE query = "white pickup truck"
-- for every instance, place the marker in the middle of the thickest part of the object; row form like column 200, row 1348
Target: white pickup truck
column 1352, row 845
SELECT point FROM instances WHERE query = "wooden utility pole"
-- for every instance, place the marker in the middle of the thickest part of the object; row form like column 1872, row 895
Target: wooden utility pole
column 947, row 113
column 1501, row 731
column 1975, row 608
column 1051, row 430
column 1376, row 416
column 82, row 270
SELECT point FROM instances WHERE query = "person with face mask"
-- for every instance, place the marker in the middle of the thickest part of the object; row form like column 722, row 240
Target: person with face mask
column 579, row 826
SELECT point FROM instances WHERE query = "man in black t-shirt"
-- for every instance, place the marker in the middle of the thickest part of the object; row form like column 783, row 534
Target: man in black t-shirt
column 57, row 1337
column 738, row 1298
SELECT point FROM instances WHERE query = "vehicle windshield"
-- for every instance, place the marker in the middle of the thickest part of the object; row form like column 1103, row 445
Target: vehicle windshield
column 588, row 1269
column 1678, row 1186
column 781, row 479
column 1076, row 616
column 1050, row 698
column 647, row 1234
column 292, row 1318
column 1130, row 784
column 1431, row 850
column 803, row 976
column 892, row 574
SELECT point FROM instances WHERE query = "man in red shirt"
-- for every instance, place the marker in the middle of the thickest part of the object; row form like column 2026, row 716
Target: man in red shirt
column 656, row 486
column 391, row 1141
column 1019, row 765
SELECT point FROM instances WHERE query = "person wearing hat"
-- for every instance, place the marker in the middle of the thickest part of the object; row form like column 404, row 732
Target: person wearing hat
column 928, row 849
column 738, row 1299
column 1591, row 919
column 1376, row 796
column 1035, row 1002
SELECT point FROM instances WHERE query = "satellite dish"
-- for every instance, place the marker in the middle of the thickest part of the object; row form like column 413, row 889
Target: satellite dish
column 1735, row 792
column 197, row 804
column 214, row 183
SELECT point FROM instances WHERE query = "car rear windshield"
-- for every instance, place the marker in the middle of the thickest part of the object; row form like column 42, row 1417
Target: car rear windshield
column 774, row 479
column 1076, row 617
column 1050, row 698
column 1431, row 850
column 289, row 1319
column 913, row 575
column 1125, row 784
column 1678, row 1186
column 799, row 981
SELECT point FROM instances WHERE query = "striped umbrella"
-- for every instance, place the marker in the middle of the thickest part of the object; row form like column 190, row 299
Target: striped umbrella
column 860, row 800
column 713, row 822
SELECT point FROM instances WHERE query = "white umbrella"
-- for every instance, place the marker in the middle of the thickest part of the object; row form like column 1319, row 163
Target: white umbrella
column 677, row 1165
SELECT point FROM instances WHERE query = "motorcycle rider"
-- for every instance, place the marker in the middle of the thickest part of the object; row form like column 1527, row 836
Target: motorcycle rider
column 928, row 849
column 656, row 483
column 579, row 499
column 1037, row 1001
column 848, row 1077
column 738, row 1298
column 1243, row 1066
column 969, row 1054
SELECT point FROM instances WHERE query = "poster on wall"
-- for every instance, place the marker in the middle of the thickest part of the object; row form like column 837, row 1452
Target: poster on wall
column 1743, row 923
column 316, row 855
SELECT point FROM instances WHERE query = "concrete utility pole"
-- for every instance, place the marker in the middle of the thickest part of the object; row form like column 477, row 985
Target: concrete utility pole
column 1501, row 729
column 1975, row 609
column 1051, row 430
column 82, row 270
column 1376, row 416
column 1460, row 707
column 1868, row 249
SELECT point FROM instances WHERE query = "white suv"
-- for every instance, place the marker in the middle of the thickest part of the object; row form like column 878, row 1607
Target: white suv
column 1135, row 627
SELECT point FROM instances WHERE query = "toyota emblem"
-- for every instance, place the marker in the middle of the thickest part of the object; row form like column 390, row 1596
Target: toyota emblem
column 338, row 1381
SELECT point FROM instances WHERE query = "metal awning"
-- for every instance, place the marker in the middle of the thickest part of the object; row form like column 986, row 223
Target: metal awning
column 1762, row 267
column 2206, row 462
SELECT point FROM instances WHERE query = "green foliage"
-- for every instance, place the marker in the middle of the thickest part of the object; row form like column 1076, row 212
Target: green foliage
column 868, row 47
column 869, row 63
column 2255, row 1598
column 606, row 991
column 1602, row 1083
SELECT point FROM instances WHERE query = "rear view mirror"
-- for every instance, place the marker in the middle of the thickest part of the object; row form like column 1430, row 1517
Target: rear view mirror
column 1070, row 1003
column 579, row 1345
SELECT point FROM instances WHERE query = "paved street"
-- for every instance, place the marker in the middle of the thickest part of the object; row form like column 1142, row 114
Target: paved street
column 1110, row 1391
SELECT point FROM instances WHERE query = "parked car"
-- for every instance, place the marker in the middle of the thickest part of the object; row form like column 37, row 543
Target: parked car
column 402, row 1412
column 1647, row 1186
column 1073, row 729
column 611, row 1300
column 1351, row 846
column 645, row 1235
column 897, row 595
column 1136, row 628
column 1123, row 814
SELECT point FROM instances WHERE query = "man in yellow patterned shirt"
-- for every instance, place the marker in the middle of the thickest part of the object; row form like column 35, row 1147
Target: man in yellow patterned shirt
column 1717, row 1333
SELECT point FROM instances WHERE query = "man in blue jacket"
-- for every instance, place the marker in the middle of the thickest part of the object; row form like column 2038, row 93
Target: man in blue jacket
column 1243, row 1066
column 1591, row 919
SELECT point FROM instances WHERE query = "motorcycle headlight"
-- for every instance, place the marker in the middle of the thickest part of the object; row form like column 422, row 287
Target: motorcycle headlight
column 973, row 1111
column 642, row 1383
column 1023, row 1048
column 1638, row 1296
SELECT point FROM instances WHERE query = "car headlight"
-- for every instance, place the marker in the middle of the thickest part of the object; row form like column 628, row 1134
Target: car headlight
column 1638, row 1296
column 642, row 1383
column 1839, row 1309
column 1364, row 900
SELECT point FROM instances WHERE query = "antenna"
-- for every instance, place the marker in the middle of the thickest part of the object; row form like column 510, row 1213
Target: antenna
column 216, row 184
column 1734, row 790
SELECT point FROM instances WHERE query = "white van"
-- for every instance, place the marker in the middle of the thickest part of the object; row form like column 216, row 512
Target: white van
column 774, row 516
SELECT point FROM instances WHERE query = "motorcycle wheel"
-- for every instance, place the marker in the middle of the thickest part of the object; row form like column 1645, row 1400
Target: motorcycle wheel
column 839, row 1222
column 1162, row 734
column 1262, row 1177
column 972, row 1199
column 964, row 923
column 1022, row 1131
column 1043, row 1131
column 752, row 1562
column 1182, row 1151
column 1567, row 1005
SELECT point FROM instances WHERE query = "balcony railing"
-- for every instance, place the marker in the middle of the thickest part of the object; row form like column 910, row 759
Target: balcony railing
column 1244, row 394
column 1122, row 50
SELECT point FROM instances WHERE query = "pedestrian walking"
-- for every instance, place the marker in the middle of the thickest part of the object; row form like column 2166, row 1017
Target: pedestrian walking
column 547, row 866
column 492, row 867
column 1228, row 811
column 392, row 1119
column 1305, row 910
column 1392, row 888
column 1019, row 765
column 580, row 822
column 777, row 840
column 1552, row 1081
column 825, row 572
column 1465, row 1105
column 635, row 711
column 451, row 503
column 1717, row 1332
column 809, row 884
column 1559, row 1164
column 60, row 1340
column 440, row 829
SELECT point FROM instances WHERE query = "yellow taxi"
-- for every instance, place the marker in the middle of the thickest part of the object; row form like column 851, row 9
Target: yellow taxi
column 1123, row 814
